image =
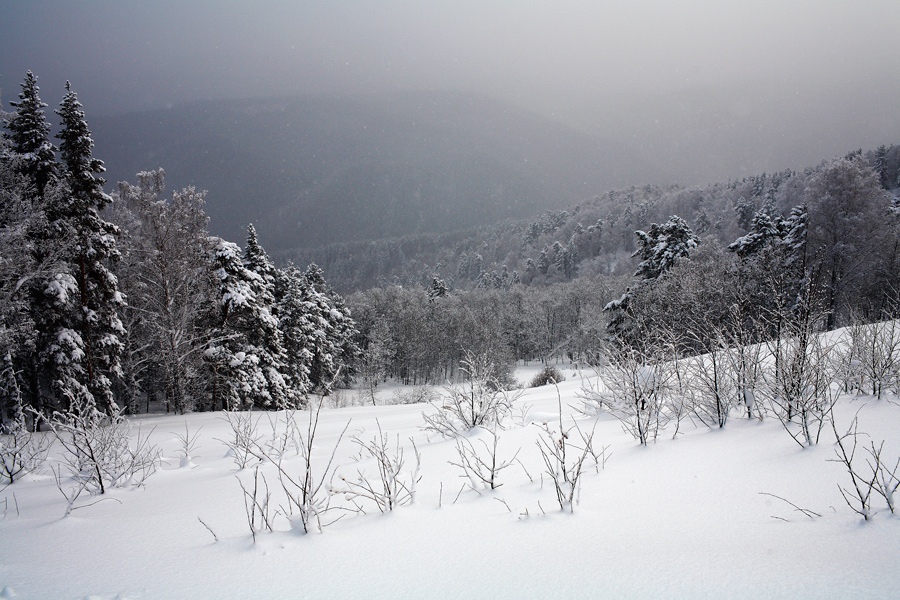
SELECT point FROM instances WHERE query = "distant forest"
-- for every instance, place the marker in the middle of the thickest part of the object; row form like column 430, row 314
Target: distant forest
column 594, row 237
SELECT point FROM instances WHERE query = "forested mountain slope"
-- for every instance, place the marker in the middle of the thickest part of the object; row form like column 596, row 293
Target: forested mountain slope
column 591, row 237
column 313, row 171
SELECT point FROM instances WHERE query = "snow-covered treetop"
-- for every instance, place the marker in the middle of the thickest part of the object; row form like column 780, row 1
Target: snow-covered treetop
column 662, row 246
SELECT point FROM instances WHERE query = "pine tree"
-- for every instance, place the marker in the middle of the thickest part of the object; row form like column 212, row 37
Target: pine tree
column 663, row 246
column 31, row 153
column 246, row 359
column 335, row 349
column 75, row 217
column 297, row 320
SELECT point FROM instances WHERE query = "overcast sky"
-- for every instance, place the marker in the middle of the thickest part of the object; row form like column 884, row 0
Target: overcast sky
column 716, row 89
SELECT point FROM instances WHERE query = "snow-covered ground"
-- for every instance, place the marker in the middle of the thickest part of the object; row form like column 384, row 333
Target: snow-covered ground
column 681, row 518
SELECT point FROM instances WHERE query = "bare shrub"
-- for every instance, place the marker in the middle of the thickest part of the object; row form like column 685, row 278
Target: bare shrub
column 305, row 495
column 564, row 459
column 391, row 487
column 257, row 504
column 417, row 395
column 637, row 386
column 887, row 478
column 245, row 437
column 21, row 451
column 859, row 498
column 746, row 370
column 482, row 468
column 875, row 351
column 878, row 477
column 188, row 442
column 799, row 386
column 283, row 433
column 99, row 452
column 713, row 385
column 478, row 402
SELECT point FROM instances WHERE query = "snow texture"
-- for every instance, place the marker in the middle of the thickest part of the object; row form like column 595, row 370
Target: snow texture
column 682, row 518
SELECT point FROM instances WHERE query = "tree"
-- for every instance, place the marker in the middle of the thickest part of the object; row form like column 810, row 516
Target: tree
column 246, row 360
column 166, row 276
column 334, row 348
column 75, row 216
column 31, row 153
column 848, row 230
column 662, row 246
column 296, row 314
column 659, row 250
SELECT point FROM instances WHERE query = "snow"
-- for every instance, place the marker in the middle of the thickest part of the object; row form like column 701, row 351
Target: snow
column 682, row 518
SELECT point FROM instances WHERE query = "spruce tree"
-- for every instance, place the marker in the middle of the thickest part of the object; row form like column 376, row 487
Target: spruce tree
column 265, row 337
column 297, row 320
column 335, row 349
column 30, row 151
column 245, row 358
column 74, row 217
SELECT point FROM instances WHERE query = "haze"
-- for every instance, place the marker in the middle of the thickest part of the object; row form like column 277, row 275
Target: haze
column 707, row 90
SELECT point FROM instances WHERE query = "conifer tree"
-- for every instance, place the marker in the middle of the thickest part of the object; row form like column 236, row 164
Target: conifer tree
column 74, row 216
column 662, row 246
column 335, row 348
column 297, row 320
column 31, row 153
column 246, row 360
column 265, row 336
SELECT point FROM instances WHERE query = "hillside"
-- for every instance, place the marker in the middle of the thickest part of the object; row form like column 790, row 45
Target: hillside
column 600, row 231
column 680, row 518
column 312, row 171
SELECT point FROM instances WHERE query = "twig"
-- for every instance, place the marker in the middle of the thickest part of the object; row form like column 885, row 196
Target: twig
column 805, row 511
column 459, row 493
column 208, row 528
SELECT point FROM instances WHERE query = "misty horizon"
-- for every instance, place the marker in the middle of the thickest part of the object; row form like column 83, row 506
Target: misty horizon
column 708, row 92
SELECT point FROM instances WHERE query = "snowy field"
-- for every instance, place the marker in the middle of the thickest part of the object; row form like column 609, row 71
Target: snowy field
column 682, row 518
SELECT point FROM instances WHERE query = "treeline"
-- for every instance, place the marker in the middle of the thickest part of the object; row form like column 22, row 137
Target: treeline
column 830, row 260
column 420, row 336
column 114, row 302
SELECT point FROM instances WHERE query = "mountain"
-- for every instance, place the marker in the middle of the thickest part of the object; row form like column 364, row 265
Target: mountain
column 310, row 171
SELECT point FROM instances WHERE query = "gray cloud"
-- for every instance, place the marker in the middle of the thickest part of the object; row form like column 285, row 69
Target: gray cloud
column 710, row 89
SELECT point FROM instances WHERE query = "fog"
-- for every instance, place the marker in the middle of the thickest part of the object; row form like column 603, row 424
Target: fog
column 707, row 90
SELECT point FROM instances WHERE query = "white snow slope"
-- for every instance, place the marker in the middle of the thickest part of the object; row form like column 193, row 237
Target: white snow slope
column 681, row 518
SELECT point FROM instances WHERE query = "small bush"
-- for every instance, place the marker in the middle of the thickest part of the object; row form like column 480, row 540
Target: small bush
column 416, row 395
column 548, row 375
